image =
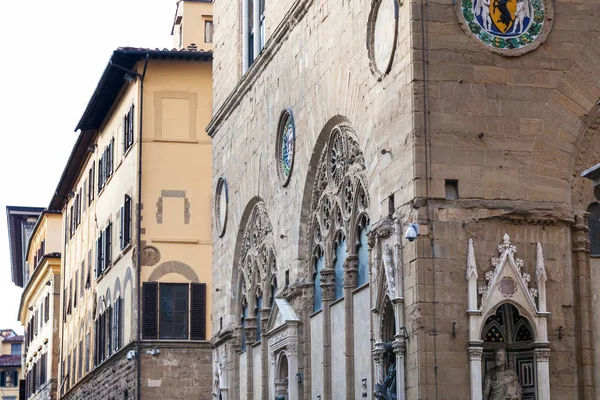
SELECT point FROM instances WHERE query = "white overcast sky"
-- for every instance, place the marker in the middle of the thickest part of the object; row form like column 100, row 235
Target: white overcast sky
column 52, row 54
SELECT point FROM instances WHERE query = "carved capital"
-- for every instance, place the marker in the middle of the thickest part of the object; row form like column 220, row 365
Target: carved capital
column 351, row 271
column 250, row 330
column 581, row 240
column 542, row 354
column 328, row 284
column 399, row 347
column 379, row 353
column 475, row 353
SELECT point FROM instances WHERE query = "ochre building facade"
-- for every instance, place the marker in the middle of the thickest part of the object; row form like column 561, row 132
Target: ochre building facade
column 342, row 129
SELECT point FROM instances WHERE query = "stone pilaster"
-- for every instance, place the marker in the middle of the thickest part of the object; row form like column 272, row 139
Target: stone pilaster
column 581, row 253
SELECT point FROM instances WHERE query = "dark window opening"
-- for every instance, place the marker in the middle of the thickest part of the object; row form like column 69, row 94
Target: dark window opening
column 451, row 189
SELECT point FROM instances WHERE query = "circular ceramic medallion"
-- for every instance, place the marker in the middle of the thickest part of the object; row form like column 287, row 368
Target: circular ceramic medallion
column 221, row 205
column 382, row 36
column 286, row 137
column 508, row 27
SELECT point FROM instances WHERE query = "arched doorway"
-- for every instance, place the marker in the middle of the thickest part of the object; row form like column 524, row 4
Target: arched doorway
column 508, row 329
column 282, row 384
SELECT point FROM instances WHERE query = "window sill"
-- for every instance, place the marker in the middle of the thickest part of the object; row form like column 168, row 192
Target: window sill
column 333, row 303
column 360, row 288
column 123, row 252
column 314, row 314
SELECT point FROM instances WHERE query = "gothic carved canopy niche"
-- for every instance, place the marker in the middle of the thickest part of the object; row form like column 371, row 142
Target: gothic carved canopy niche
column 508, row 290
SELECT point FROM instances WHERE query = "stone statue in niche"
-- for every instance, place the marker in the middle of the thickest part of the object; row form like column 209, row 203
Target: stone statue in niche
column 387, row 389
column 502, row 383
column 388, row 261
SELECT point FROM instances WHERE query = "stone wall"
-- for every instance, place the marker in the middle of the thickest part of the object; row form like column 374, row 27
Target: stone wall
column 114, row 379
column 182, row 370
column 514, row 132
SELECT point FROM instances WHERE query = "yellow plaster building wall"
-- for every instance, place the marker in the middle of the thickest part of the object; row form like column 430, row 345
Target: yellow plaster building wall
column 80, row 249
column 177, row 174
column 176, row 157
column 44, row 283
column 190, row 25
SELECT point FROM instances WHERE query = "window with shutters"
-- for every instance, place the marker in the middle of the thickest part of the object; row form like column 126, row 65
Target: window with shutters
column 198, row 311
column 69, row 303
column 109, row 331
column 80, row 360
column 82, row 279
column 125, row 220
column 100, row 173
column 87, row 352
column 99, row 255
column 150, row 309
column 89, row 270
column 9, row 378
column 91, row 184
column 75, row 293
column 174, row 311
column 71, row 221
column 108, row 246
column 84, row 196
column 47, row 308
column 128, row 130
column 117, row 325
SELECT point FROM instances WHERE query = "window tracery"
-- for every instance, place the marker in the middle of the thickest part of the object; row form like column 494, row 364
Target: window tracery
column 338, row 211
column 257, row 272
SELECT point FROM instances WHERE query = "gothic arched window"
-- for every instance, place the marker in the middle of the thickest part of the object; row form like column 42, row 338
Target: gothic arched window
column 243, row 322
column 340, row 258
column 319, row 264
column 363, row 253
column 338, row 208
column 257, row 269
column 257, row 315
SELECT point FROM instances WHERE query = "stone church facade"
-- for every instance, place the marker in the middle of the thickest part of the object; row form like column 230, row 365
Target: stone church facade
column 342, row 129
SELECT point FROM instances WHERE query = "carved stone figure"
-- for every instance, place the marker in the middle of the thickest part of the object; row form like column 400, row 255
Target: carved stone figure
column 387, row 389
column 388, row 260
column 502, row 383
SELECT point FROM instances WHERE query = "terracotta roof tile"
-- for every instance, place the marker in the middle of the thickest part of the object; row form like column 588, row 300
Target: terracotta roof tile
column 14, row 339
column 10, row 361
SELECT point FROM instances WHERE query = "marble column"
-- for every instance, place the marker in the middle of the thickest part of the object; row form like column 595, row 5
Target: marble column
column 250, row 331
column 542, row 357
column 350, row 282
column 400, row 349
column 475, row 354
column 328, row 290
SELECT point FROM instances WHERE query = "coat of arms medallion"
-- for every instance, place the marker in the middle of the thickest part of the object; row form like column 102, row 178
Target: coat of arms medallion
column 508, row 27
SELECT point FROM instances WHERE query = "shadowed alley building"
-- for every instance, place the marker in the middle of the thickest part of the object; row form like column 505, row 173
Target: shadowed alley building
column 397, row 196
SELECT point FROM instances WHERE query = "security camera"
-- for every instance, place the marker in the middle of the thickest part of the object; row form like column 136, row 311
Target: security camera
column 130, row 354
column 412, row 232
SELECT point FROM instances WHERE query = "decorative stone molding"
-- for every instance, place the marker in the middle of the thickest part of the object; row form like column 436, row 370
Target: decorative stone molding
column 150, row 256
column 382, row 36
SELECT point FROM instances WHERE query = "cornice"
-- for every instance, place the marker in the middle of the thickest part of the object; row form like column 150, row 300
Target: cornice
column 291, row 19
column 50, row 263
